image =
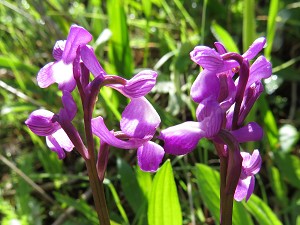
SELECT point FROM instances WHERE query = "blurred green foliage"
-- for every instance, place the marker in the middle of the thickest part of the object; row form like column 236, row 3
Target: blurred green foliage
column 156, row 34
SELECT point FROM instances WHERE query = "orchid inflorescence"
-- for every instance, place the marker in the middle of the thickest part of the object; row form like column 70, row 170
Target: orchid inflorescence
column 225, row 91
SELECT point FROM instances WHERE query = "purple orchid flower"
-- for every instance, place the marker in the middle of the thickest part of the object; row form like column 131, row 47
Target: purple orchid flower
column 64, row 52
column 138, row 126
column 210, row 119
column 250, row 166
column 138, row 86
column 45, row 123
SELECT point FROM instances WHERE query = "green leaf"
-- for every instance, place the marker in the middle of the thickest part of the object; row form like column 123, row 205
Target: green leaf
column 271, row 26
column 249, row 30
column 119, row 49
column 164, row 207
column 288, row 136
column 270, row 126
column 144, row 180
column 147, row 5
column 130, row 186
column 80, row 205
column 289, row 167
column 261, row 211
column 208, row 181
column 278, row 186
column 224, row 37
column 117, row 200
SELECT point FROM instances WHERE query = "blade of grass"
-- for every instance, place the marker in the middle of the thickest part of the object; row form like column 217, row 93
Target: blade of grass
column 271, row 26
column 249, row 30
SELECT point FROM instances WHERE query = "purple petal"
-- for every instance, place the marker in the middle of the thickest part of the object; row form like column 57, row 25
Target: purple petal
column 241, row 190
column 100, row 130
column 220, row 48
column 181, row 139
column 69, row 104
column 206, row 85
column 63, row 75
column 207, row 57
column 139, row 119
column 77, row 36
column 149, row 156
column 227, row 91
column 58, row 49
column 250, row 188
column 58, row 142
column 40, row 122
column 210, row 117
column 260, row 69
column 255, row 48
column 141, row 84
column 252, row 93
column 90, row 61
column 251, row 163
column 55, row 147
column 251, row 132
column 45, row 76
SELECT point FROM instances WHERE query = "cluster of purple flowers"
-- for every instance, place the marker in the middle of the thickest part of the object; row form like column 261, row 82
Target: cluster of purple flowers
column 223, row 104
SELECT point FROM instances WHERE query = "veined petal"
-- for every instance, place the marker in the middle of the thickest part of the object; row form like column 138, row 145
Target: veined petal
column 77, row 36
column 58, row 49
column 206, row 85
column 149, row 156
column 227, row 91
column 250, row 188
column 181, row 139
column 90, row 61
column 251, row 163
column 260, row 69
column 242, row 188
column 100, row 130
column 210, row 116
column 141, row 84
column 69, row 104
column 40, row 122
column 220, row 48
column 251, row 132
column 139, row 119
column 207, row 57
column 45, row 76
column 255, row 48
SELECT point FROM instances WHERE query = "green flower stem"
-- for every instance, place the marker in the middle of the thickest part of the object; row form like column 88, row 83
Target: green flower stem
column 96, row 184
column 226, row 199
column 98, row 192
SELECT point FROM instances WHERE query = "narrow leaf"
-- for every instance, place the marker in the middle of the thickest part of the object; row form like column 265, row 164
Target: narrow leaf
column 224, row 37
column 249, row 30
column 208, row 181
column 261, row 211
column 164, row 207
column 130, row 186
column 271, row 26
